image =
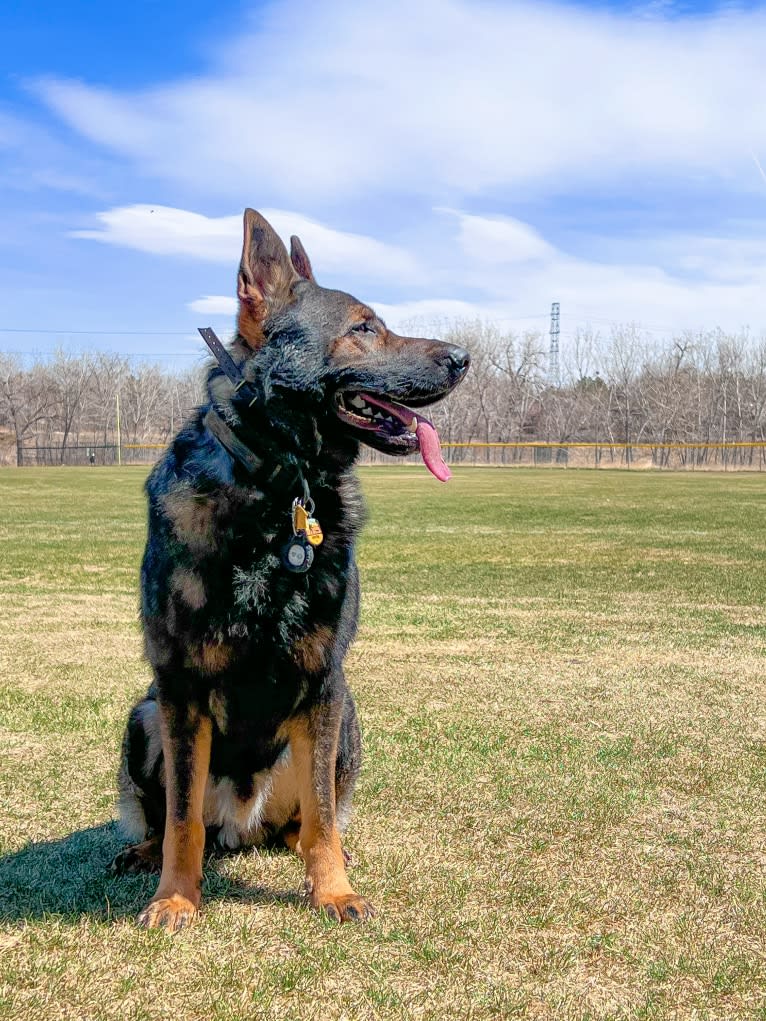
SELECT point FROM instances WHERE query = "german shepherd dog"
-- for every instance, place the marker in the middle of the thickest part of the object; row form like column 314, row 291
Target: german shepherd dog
column 248, row 734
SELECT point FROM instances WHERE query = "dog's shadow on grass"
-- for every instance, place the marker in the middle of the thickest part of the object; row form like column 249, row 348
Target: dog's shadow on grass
column 71, row 877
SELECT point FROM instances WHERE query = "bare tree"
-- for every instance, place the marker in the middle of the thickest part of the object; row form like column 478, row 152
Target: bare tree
column 68, row 378
column 25, row 397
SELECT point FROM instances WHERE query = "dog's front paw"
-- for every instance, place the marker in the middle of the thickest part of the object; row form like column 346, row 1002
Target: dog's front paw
column 349, row 907
column 145, row 857
column 170, row 913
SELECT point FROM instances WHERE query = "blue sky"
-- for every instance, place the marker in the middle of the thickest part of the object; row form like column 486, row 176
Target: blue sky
column 446, row 160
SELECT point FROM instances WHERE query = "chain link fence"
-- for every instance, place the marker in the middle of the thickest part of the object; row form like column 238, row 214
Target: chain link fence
column 732, row 456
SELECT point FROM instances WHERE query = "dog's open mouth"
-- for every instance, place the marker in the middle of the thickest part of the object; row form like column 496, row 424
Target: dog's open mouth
column 392, row 428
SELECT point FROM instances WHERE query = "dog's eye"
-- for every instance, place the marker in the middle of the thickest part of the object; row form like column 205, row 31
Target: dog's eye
column 362, row 328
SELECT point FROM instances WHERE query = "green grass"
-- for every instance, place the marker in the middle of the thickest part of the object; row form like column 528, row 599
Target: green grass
column 560, row 676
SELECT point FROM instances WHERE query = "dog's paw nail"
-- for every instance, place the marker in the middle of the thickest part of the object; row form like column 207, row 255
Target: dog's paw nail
column 332, row 912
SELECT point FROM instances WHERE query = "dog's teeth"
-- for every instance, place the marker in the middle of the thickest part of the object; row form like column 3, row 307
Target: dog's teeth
column 379, row 414
column 414, row 425
column 358, row 403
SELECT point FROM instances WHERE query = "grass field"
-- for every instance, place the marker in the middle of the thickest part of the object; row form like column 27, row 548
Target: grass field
column 562, row 814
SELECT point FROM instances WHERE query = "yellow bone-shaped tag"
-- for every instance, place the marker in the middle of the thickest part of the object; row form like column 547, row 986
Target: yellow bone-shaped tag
column 314, row 532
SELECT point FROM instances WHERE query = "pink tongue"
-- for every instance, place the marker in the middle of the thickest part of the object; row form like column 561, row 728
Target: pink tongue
column 428, row 437
column 431, row 451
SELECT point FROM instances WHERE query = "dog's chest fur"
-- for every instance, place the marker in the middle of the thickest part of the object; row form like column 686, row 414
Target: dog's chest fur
column 225, row 622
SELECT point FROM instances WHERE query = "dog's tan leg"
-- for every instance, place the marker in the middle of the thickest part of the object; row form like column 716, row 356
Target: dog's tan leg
column 313, row 747
column 186, row 746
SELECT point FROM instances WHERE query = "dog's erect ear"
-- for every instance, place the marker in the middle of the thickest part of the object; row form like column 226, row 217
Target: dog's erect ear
column 300, row 260
column 265, row 273
column 265, row 276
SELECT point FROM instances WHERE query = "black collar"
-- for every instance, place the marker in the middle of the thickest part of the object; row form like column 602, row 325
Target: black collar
column 287, row 467
column 228, row 438
column 228, row 364
column 226, row 435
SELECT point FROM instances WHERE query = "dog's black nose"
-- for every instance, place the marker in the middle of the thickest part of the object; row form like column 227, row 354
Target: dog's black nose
column 459, row 358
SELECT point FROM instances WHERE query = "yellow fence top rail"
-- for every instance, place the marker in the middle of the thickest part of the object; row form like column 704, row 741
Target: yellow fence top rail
column 616, row 444
column 647, row 444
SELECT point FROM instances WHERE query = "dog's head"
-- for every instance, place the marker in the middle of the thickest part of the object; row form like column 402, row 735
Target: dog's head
column 325, row 352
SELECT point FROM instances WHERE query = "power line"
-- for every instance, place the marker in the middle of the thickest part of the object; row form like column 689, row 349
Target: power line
column 103, row 333
column 588, row 318
column 125, row 354
column 577, row 317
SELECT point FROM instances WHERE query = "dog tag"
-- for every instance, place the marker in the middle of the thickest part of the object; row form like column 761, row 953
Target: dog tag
column 314, row 532
column 304, row 522
column 297, row 554
column 300, row 517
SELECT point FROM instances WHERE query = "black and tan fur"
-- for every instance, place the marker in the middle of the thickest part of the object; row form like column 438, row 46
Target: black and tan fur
column 248, row 732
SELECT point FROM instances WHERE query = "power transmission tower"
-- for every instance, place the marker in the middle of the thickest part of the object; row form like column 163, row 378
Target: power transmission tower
column 554, row 377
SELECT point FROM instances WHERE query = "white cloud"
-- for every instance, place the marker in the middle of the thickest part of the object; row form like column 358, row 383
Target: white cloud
column 684, row 282
column 500, row 239
column 590, row 292
column 163, row 230
column 691, row 283
column 446, row 98
column 462, row 106
column 214, row 305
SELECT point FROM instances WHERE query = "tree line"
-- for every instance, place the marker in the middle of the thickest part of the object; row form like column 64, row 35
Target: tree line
column 618, row 388
column 70, row 402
